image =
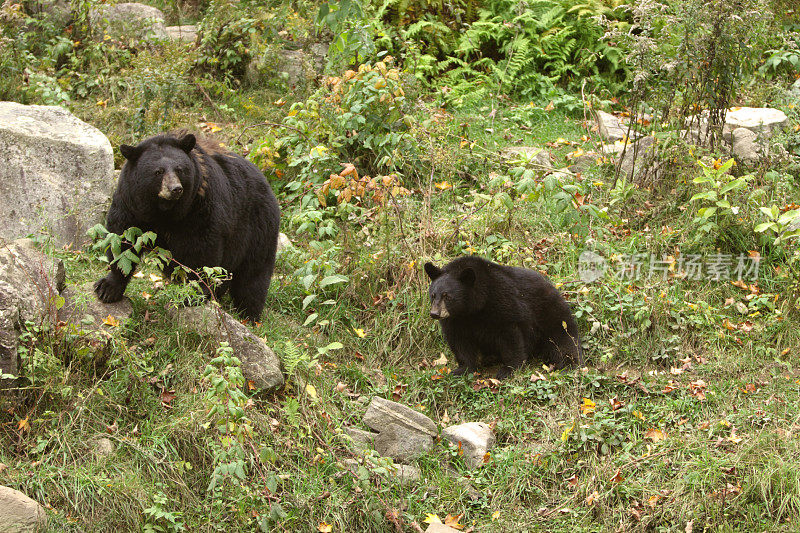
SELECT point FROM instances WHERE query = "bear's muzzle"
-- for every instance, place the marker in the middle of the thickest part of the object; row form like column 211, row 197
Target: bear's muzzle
column 171, row 187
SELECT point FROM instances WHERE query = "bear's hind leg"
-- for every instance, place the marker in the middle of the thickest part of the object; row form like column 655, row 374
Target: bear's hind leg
column 562, row 350
column 511, row 352
column 249, row 294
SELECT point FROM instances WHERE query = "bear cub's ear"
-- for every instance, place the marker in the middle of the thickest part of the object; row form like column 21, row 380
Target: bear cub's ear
column 131, row 153
column 432, row 271
column 187, row 142
column 467, row 277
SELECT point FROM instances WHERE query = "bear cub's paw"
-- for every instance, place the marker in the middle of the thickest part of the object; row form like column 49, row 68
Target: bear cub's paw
column 109, row 291
column 461, row 370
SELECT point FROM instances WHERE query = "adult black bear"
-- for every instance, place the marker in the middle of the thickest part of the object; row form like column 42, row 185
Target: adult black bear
column 492, row 314
column 208, row 206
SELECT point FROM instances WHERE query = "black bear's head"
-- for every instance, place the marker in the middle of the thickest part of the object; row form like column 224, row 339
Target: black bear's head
column 451, row 292
column 162, row 174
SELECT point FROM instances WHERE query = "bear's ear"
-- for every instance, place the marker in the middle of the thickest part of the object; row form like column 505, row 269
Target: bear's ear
column 432, row 271
column 467, row 277
column 131, row 153
column 187, row 142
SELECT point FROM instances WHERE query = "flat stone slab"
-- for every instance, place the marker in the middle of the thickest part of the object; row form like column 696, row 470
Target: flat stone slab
column 402, row 444
column 440, row 528
column 539, row 155
column 757, row 119
column 81, row 304
column 382, row 413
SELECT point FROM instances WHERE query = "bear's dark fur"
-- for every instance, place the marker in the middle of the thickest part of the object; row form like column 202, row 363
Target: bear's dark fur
column 208, row 206
column 495, row 314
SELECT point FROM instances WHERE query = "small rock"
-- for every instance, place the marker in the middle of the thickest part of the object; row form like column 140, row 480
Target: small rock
column 440, row 528
column 361, row 440
column 795, row 90
column 283, row 243
column 186, row 33
column 406, row 474
column 259, row 363
column 613, row 148
column 476, row 440
column 609, row 127
column 19, row 513
column 382, row 413
column 745, row 147
column 584, row 162
column 762, row 120
column 402, row 444
column 638, row 158
column 538, row 155
column 103, row 447
column 562, row 174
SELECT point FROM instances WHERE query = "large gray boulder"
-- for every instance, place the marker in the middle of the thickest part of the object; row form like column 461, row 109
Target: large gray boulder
column 130, row 21
column 259, row 363
column 30, row 287
column 57, row 173
column 19, row 513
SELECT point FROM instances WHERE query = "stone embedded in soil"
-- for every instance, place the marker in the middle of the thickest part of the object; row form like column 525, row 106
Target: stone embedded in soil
column 476, row 439
column 382, row 413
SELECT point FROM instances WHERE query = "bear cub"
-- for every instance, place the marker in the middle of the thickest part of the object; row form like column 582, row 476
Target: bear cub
column 495, row 314
column 207, row 206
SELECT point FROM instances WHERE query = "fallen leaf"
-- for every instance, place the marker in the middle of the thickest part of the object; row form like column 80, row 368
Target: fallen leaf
column 654, row 435
column 616, row 403
column 452, row 521
column 24, row 425
column 573, row 481
column 495, row 515
column 617, row 477
column 588, row 406
column 590, row 499
column 110, row 320
column 324, row 528
column 442, row 360
column 432, row 519
column 166, row 397
column 311, row 391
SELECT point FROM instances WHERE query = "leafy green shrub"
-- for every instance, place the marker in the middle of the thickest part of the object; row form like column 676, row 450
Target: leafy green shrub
column 226, row 39
column 359, row 118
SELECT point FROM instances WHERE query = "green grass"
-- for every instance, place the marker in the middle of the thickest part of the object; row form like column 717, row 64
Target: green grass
column 726, row 462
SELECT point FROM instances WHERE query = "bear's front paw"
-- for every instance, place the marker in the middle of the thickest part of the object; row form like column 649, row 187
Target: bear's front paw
column 461, row 370
column 504, row 372
column 109, row 291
